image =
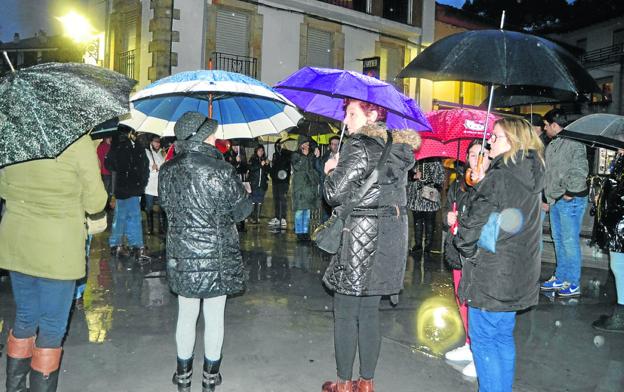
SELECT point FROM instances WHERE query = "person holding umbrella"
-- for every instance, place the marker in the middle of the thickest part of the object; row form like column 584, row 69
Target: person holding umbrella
column 457, row 204
column 305, row 185
column 371, row 260
column 501, row 269
column 259, row 167
column 204, row 199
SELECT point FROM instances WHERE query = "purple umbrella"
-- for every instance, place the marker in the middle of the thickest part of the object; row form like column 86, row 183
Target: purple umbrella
column 322, row 91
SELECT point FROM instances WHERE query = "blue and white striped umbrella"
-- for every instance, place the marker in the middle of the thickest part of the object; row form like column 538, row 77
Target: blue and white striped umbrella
column 244, row 107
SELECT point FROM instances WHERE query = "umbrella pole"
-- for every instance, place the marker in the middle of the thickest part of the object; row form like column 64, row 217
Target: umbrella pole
column 6, row 57
column 344, row 126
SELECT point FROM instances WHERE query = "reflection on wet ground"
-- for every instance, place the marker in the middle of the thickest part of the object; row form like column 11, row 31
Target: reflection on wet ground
column 279, row 332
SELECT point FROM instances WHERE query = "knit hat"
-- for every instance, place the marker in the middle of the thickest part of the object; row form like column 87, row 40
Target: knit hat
column 194, row 126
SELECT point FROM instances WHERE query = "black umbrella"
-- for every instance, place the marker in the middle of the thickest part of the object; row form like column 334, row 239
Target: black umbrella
column 312, row 128
column 597, row 130
column 511, row 96
column 105, row 129
column 45, row 108
column 500, row 57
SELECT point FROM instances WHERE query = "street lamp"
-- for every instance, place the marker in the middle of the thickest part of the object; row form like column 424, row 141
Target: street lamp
column 80, row 30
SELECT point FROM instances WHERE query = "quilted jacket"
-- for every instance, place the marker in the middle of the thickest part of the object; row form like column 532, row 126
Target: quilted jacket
column 203, row 198
column 609, row 222
column 372, row 256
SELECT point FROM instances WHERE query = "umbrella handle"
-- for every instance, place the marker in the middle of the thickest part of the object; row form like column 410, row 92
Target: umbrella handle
column 468, row 176
column 344, row 126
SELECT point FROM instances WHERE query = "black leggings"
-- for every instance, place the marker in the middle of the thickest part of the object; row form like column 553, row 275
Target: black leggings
column 356, row 323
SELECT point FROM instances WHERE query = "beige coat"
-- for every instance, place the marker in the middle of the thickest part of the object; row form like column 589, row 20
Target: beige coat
column 43, row 230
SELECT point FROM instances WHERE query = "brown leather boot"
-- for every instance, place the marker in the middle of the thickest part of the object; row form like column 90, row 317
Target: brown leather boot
column 19, row 354
column 339, row 386
column 45, row 369
column 364, row 385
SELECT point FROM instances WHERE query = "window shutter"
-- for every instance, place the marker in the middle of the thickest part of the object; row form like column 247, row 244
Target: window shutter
column 232, row 33
column 319, row 48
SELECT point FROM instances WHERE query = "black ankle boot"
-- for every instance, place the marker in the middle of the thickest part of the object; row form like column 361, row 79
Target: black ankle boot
column 183, row 374
column 211, row 377
column 613, row 323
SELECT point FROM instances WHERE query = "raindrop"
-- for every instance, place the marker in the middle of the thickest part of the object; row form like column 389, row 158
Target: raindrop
column 326, row 307
column 305, row 297
column 599, row 341
column 289, row 285
column 558, row 324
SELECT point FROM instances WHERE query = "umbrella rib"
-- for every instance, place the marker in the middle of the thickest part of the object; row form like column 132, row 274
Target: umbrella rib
column 39, row 124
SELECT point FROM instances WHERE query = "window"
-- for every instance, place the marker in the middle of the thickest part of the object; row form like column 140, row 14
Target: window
column 618, row 37
column 397, row 10
column 319, row 48
column 232, row 33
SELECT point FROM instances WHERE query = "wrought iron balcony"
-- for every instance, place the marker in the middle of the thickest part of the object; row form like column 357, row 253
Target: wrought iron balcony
column 610, row 55
column 124, row 63
column 241, row 64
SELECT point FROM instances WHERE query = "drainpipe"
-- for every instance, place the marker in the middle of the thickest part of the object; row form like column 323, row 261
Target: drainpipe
column 171, row 38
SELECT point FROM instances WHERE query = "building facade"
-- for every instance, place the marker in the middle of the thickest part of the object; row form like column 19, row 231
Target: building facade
column 269, row 39
column 603, row 44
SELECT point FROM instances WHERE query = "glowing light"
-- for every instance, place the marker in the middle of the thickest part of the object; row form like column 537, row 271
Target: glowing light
column 438, row 325
column 77, row 27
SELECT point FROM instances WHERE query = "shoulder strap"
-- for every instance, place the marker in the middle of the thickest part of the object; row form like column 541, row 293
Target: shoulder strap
column 372, row 178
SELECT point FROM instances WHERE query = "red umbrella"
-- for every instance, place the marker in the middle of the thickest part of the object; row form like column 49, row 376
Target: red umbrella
column 459, row 123
column 455, row 149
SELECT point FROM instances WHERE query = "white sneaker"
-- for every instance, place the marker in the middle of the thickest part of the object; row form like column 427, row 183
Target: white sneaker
column 283, row 223
column 274, row 222
column 462, row 353
column 470, row 370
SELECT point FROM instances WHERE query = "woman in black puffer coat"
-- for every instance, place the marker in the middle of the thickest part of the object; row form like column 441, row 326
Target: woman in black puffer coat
column 371, row 260
column 203, row 198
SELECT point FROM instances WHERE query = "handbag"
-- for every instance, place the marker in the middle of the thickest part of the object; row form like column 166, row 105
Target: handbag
column 430, row 193
column 96, row 223
column 328, row 236
column 490, row 232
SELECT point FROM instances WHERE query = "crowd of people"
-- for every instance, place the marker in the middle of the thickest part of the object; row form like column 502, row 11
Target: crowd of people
column 207, row 191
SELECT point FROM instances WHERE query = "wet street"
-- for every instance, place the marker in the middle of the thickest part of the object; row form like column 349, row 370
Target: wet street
column 279, row 332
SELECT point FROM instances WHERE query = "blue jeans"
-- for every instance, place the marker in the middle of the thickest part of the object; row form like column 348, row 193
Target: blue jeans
column 617, row 266
column 257, row 195
column 493, row 348
column 566, row 218
column 302, row 221
column 127, row 221
column 42, row 303
column 150, row 200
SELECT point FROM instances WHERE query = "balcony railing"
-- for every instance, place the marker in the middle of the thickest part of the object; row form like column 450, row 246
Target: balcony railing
column 357, row 5
column 125, row 63
column 241, row 64
column 603, row 56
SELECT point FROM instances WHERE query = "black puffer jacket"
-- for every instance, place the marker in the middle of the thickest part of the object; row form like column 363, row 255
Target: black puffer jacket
column 371, row 259
column 131, row 166
column 258, row 173
column 507, row 280
column 459, row 194
column 609, row 221
column 203, row 198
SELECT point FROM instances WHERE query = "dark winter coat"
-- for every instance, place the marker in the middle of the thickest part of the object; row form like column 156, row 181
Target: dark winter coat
column 458, row 193
column 280, row 167
column 608, row 231
column 131, row 166
column 507, row 280
column 372, row 256
column 305, row 181
column 203, row 198
column 433, row 175
column 258, row 174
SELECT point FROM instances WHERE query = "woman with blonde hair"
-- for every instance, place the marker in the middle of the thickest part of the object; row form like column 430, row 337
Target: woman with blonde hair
column 499, row 242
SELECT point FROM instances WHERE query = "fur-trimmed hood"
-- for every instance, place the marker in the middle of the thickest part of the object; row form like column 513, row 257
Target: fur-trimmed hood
column 400, row 136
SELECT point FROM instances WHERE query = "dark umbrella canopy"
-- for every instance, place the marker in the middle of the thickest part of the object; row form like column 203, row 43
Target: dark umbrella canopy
column 45, row 108
column 501, row 57
column 600, row 130
column 511, row 96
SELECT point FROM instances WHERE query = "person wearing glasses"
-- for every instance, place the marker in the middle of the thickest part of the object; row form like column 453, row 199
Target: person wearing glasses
column 501, row 270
